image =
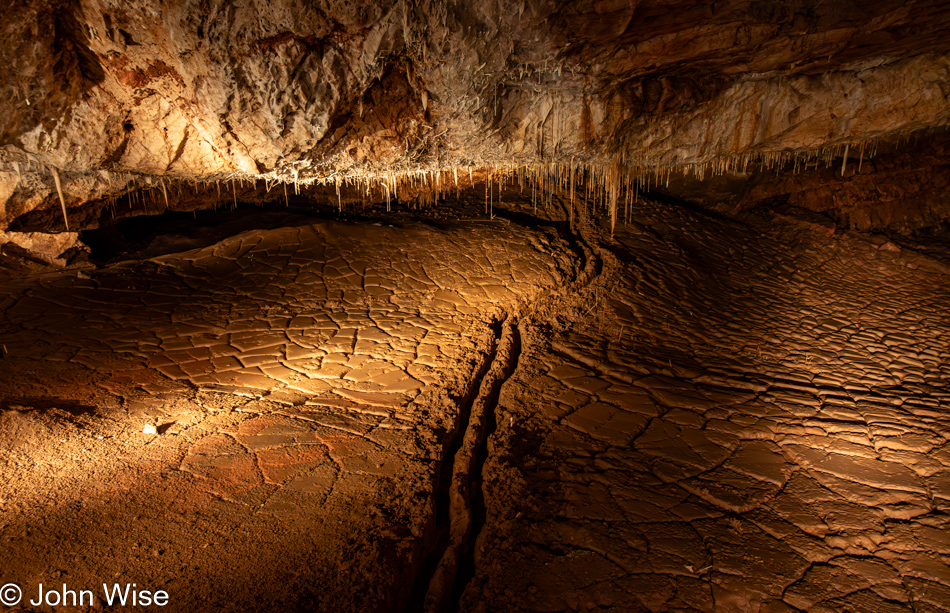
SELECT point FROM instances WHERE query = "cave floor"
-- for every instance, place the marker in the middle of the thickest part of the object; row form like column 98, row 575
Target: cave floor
column 733, row 417
column 693, row 415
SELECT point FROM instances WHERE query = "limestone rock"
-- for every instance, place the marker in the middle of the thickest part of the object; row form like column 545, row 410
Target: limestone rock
column 295, row 91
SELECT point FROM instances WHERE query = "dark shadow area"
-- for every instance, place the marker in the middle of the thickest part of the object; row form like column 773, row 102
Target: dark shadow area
column 174, row 231
column 664, row 198
column 45, row 405
column 146, row 236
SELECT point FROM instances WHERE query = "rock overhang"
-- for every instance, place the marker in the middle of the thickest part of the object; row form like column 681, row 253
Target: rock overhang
column 377, row 98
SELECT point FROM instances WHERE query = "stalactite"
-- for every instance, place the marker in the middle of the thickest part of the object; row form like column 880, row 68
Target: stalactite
column 604, row 185
column 59, row 191
column 613, row 188
column 164, row 193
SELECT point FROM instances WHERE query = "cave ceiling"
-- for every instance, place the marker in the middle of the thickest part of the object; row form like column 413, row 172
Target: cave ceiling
column 101, row 96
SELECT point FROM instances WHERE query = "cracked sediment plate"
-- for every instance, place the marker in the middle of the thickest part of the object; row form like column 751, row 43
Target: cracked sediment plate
column 301, row 384
column 704, row 416
column 749, row 418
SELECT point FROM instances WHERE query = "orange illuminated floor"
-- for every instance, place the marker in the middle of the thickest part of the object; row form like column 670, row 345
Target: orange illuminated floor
column 732, row 417
column 254, row 425
column 692, row 415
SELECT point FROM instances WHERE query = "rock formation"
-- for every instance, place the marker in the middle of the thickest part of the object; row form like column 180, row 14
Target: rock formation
column 692, row 354
column 402, row 98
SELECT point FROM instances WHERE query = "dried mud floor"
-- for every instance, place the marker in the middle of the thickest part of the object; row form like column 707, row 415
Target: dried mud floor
column 303, row 384
column 692, row 415
column 733, row 417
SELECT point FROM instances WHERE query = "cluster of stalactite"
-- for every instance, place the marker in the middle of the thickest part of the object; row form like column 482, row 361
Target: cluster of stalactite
column 610, row 185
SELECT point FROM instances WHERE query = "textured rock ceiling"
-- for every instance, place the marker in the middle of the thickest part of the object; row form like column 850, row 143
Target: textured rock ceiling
column 104, row 96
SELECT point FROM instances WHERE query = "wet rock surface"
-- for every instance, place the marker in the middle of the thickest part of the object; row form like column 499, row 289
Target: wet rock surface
column 695, row 414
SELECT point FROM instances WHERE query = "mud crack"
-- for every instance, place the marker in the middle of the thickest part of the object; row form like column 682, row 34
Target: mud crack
column 465, row 518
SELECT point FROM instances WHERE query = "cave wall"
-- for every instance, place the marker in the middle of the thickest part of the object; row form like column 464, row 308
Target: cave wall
column 902, row 190
column 107, row 96
column 897, row 188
